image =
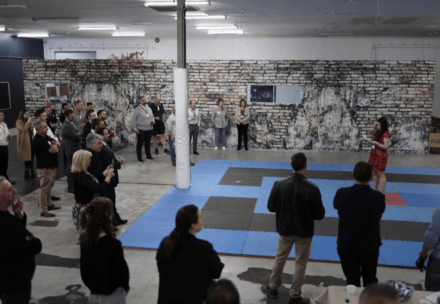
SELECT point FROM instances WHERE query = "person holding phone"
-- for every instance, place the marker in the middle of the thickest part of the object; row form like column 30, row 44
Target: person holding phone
column 5, row 138
column 378, row 155
column 19, row 248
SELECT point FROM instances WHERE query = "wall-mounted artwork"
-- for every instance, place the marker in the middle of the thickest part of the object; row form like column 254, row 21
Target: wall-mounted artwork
column 287, row 94
column 5, row 96
column 57, row 91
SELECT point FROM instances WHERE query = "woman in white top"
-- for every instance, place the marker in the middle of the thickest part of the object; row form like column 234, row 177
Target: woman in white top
column 5, row 138
column 193, row 124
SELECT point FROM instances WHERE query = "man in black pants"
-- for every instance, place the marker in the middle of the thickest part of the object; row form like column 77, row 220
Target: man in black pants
column 142, row 122
column 360, row 210
column 19, row 248
column 159, row 126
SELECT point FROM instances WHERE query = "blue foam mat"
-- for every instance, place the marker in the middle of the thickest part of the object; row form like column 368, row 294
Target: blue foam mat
column 158, row 221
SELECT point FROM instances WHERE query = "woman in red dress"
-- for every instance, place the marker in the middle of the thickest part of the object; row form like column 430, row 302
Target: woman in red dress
column 378, row 155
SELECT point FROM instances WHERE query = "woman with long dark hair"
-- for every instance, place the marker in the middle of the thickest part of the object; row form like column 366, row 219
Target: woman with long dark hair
column 187, row 266
column 25, row 149
column 242, row 116
column 378, row 154
column 103, row 267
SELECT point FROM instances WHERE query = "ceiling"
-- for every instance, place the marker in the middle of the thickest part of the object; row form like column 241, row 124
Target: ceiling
column 258, row 18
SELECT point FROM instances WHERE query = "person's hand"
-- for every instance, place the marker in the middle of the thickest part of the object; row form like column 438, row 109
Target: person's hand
column 420, row 263
column 9, row 137
column 17, row 207
column 121, row 159
column 172, row 138
column 29, row 120
column 81, row 125
column 193, row 118
column 156, row 118
column 136, row 131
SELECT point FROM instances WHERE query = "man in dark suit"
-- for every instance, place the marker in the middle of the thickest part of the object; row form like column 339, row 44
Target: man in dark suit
column 107, row 158
column 19, row 248
column 71, row 135
column 90, row 115
column 360, row 210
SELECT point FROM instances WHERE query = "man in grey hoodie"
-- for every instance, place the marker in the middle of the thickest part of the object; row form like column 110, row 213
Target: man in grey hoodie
column 142, row 124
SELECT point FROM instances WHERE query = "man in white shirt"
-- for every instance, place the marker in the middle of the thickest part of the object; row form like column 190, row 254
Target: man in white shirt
column 194, row 124
column 5, row 138
column 42, row 116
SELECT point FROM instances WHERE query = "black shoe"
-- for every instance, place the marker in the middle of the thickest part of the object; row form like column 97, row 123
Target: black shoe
column 140, row 160
column 299, row 300
column 173, row 163
column 273, row 293
column 55, row 198
column 238, row 148
column 150, row 158
column 166, row 151
column 192, row 164
column 196, row 153
column 53, row 207
column 156, row 151
column 120, row 222
column 246, row 148
column 70, row 190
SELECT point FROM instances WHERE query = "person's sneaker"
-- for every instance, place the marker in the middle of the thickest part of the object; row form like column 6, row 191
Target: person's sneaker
column 166, row 151
column 216, row 148
column 140, row 160
column 47, row 214
column 156, row 151
column 150, row 158
column 53, row 207
column 196, row 153
column 299, row 300
column 273, row 293
column 224, row 148
column 192, row 164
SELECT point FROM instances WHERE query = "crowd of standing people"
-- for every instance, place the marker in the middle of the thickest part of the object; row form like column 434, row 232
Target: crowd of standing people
column 187, row 265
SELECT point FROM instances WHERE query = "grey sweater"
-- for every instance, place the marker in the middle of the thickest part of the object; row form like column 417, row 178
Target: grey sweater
column 220, row 118
column 140, row 121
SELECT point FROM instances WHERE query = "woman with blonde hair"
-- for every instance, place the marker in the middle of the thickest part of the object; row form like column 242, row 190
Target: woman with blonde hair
column 85, row 186
column 102, row 264
column 25, row 151
column 242, row 116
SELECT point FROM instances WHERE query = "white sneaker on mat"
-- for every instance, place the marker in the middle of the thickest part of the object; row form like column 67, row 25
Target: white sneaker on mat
column 224, row 148
column 216, row 148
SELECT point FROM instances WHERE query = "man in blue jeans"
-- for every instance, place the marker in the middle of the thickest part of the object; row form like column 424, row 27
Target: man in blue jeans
column 171, row 126
column 431, row 242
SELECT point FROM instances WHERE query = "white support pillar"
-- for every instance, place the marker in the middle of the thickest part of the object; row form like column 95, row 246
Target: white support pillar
column 183, row 168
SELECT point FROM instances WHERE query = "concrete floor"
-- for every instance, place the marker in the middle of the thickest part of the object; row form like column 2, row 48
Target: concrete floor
column 57, row 278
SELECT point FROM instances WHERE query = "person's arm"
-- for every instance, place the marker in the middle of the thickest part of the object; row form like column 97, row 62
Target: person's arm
column 86, row 181
column 317, row 206
column 169, row 127
column 121, row 264
column 272, row 203
column 54, row 147
column 20, row 126
column 213, row 116
column 23, row 243
column 237, row 115
column 85, row 266
column 337, row 199
column 198, row 117
column 215, row 264
column 247, row 115
column 385, row 146
column 133, row 120
column 62, row 118
column 432, row 235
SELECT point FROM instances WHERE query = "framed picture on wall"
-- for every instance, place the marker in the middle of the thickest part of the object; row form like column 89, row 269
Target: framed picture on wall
column 57, row 91
column 5, row 96
column 261, row 93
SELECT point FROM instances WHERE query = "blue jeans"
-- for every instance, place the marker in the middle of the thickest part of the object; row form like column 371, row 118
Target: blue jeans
column 217, row 136
column 432, row 277
column 172, row 151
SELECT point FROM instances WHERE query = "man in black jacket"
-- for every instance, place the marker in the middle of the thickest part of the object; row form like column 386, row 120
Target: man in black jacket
column 71, row 135
column 360, row 210
column 297, row 203
column 19, row 247
column 90, row 115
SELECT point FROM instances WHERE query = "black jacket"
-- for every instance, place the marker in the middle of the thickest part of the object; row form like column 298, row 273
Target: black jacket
column 103, row 267
column 17, row 256
column 107, row 157
column 297, row 203
column 86, row 131
column 360, row 210
column 186, row 276
column 85, row 187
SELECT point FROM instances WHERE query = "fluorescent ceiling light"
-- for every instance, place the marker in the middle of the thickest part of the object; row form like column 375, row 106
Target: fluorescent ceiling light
column 97, row 28
column 205, row 17
column 225, row 32
column 2, row 29
column 220, row 27
column 326, row 34
column 174, row 3
column 33, row 35
column 195, row 14
column 128, row 34
column 13, row 6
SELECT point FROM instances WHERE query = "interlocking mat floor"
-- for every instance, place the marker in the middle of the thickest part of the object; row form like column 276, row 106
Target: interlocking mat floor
column 233, row 194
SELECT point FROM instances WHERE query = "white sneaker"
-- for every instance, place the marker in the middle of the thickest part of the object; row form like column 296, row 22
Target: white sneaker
column 224, row 148
column 216, row 148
